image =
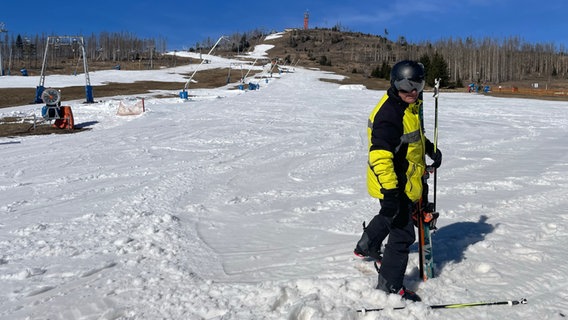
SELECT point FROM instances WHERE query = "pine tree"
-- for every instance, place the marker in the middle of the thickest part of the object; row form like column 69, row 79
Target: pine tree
column 435, row 68
column 442, row 69
column 385, row 70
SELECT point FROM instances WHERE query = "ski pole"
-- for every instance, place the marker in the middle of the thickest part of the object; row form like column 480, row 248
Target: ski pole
column 436, row 94
column 457, row 305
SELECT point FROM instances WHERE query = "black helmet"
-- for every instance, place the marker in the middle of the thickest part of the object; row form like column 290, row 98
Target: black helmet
column 407, row 75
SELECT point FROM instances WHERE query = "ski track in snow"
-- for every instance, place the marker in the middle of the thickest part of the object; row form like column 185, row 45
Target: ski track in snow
column 247, row 205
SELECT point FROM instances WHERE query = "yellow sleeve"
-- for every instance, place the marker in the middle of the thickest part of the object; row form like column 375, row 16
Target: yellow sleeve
column 381, row 161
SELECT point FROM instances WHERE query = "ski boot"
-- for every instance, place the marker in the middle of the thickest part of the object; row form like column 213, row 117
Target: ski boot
column 402, row 291
column 367, row 250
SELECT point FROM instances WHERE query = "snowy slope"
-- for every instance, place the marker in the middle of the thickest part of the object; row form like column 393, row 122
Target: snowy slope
column 247, row 205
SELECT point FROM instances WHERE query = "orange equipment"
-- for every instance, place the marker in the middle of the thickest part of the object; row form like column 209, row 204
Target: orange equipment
column 65, row 120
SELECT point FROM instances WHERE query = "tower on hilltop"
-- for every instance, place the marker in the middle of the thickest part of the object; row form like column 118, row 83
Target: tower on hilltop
column 306, row 19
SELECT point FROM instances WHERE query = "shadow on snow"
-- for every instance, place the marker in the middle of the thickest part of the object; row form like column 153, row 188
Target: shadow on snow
column 450, row 242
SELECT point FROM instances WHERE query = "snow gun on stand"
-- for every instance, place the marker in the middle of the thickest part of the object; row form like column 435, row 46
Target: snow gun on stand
column 184, row 93
column 62, row 115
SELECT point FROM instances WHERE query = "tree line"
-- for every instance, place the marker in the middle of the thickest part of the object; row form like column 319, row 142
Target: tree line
column 28, row 51
column 492, row 61
column 18, row 51
column 456, row 61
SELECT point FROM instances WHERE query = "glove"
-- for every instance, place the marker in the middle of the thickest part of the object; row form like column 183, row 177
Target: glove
column 390, row 203
column 436, row 156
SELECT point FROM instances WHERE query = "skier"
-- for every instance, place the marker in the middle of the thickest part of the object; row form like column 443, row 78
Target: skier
column 397, row 148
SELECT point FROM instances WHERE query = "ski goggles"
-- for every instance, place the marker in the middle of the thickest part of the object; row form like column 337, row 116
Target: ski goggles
column 407, row 85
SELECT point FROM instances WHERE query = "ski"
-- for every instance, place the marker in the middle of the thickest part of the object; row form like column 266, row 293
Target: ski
column 426, row 224
column 455, row 305
column 428, row 216
column 426, row 256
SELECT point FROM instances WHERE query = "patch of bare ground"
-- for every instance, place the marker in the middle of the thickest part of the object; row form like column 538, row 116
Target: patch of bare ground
column 15, row 126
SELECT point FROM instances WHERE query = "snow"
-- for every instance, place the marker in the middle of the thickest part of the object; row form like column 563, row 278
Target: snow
column 259, row 51
column 103, row 77
column 248, row 204
column 274, row 36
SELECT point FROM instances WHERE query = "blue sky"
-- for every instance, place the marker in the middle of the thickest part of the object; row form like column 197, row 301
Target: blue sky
column 183, row 23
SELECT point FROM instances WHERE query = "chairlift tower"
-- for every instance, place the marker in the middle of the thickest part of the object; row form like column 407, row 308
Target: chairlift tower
column 59, row 41
column 2, row 30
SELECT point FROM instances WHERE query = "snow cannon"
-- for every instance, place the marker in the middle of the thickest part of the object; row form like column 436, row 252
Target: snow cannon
column 183, row 94
column 53, row 110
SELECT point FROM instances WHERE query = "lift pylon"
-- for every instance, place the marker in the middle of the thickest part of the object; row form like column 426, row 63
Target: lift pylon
column 58, row 41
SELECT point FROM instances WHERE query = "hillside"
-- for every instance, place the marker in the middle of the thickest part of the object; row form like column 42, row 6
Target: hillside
column 355, row 55
column 351, row 54
column 307, row 48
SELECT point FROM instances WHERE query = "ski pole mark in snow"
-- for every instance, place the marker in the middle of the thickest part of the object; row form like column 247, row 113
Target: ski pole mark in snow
column 97, row 270
column 39, row 291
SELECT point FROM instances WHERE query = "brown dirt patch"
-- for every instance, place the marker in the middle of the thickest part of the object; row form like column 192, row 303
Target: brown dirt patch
column 9, row 97
column 16, row 126
column 214, row 78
